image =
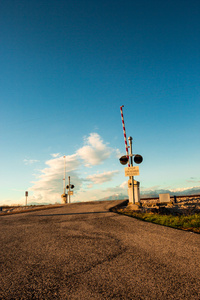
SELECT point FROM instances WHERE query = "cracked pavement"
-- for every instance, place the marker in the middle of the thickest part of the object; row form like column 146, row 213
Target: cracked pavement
column 84, row 251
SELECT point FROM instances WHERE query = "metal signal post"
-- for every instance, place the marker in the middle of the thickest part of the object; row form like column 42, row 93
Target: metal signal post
column 131, row 177
column 69, row 189
column 69, row 186
column 64, row 195
column 26, row 195
column 131, row 171
column 64, row 186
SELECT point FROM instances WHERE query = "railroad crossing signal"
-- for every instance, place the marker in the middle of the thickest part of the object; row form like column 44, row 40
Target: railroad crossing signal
column 124, row 159
column 138, row 158
column 71, row 186
column 26, row 195
column 131, row 170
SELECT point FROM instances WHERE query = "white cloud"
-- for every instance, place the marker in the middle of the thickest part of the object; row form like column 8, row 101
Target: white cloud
column 103, row 177
column 124, row 185
column 56, row 165
column 49, row 186
column 98, row 194
column 89, row 186
column 55, row 155
column 30, row 161
column 95, row 151
column 193, row 180
column 118, row 153
column 182, row 190
column 153, row 188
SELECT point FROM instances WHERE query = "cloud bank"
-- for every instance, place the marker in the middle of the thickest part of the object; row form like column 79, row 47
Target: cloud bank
column 103, row 177
column 49, row 184
column 30, row 161
column 95, row 151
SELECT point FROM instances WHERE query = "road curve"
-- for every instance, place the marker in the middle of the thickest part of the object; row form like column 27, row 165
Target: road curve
column 84, row 251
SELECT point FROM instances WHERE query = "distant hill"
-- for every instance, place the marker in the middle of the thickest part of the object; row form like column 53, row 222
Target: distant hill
column 119, row 196
column 155, row 194
column 40, row 203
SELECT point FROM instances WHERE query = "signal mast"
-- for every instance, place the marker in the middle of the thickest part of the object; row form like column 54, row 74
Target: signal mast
column 64, row 195
column 131, row 171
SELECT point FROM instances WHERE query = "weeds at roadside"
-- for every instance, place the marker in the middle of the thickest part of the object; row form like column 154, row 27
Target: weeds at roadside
column 189, row 222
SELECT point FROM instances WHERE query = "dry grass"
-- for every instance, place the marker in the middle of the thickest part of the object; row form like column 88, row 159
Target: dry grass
column 184, row 222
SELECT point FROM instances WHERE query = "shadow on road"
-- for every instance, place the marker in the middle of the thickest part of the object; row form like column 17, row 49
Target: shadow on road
column 71, row 214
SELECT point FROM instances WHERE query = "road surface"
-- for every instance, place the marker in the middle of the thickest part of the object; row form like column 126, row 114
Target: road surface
column 84, row 251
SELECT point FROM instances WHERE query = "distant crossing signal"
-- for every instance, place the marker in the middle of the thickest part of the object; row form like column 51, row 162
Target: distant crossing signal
column 71, row 186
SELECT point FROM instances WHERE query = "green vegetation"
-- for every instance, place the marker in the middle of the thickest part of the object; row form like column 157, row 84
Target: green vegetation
column 189, row 222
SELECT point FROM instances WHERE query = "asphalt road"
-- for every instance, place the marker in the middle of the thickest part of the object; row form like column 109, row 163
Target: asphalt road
column 83, row 251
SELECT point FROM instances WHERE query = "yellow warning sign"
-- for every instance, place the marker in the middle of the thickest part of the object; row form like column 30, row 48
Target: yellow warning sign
column 132, row 171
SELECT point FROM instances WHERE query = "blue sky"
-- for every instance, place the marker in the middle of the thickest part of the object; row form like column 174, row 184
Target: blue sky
column 68, row 66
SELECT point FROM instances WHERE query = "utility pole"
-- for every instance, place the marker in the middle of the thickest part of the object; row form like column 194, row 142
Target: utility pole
column 64, row 184
column 64, row 195
column 26, row 195
column 69, row 189
column 131, row 177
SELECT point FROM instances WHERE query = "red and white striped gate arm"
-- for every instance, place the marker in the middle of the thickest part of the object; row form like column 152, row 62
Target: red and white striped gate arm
column 123, row 125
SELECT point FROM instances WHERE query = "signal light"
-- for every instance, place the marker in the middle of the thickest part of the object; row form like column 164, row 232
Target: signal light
column 138, row 159
column 123, row 160
column 71, row 186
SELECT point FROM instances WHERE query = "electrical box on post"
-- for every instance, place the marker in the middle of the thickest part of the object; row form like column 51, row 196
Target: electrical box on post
column 137, row 191
column 129, row 183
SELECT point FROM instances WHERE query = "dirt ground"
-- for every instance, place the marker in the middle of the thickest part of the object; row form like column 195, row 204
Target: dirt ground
column 21, row 209
column 180, row 205
column 183, row 204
